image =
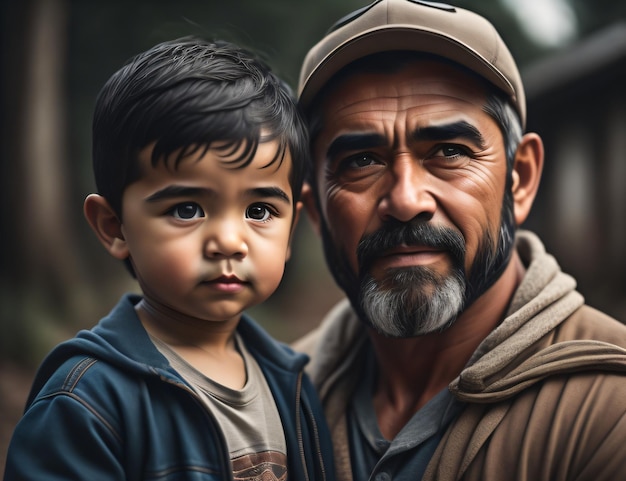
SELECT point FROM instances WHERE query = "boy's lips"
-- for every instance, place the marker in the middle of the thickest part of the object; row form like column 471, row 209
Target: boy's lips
column 228, row 279
column 226, row 283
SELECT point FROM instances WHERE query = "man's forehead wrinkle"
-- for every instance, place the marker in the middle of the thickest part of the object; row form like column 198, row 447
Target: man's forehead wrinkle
column 348, row 104
column 403, row 103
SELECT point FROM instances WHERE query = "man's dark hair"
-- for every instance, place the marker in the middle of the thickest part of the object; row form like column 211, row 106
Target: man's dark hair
column 183, row 96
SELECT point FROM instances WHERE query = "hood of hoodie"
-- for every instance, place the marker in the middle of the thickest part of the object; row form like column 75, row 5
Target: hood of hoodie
column 510, row 359
column 121, row 340
column 546, row 297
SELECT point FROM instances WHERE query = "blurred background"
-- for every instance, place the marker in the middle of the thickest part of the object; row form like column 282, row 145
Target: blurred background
column 55, row 55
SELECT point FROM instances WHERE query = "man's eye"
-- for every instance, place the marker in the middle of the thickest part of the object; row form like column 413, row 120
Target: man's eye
column 451, row 156
column 358, row 161
column 452, row 150
column 187, row 211
column 259, row 212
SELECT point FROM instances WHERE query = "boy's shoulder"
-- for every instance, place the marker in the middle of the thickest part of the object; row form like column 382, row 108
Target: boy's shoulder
column 88, row 387
column 114, row 358
column 85, row 378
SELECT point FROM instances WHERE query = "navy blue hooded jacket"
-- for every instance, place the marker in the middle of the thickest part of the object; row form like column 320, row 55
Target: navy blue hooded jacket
column 106, row 405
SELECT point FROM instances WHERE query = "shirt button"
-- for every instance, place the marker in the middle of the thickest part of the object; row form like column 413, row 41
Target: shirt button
column 383, row 477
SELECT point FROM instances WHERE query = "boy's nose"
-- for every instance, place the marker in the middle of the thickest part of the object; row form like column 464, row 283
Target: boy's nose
column 225, row 239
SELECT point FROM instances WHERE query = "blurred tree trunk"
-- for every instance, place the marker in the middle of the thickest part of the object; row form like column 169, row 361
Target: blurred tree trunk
column 38, row 250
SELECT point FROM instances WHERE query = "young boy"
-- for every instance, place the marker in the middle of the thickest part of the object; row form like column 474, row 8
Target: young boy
column 199, row 157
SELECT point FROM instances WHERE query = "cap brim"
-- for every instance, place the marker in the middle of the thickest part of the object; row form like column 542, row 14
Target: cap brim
column 399, row 37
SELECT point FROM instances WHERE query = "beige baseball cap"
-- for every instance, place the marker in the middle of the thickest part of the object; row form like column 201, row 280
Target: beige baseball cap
column 421, row 26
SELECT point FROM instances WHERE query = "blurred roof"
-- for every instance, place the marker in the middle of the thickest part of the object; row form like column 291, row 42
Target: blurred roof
column 601, row 56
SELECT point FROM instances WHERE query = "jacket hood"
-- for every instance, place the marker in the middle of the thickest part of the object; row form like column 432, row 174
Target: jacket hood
column 546, row 297
column 121, row 340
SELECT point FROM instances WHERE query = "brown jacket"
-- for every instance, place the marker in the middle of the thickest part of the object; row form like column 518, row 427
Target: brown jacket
column 545, row 391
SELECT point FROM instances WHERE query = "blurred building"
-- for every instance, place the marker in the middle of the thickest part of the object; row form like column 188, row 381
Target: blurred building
column 577, row 103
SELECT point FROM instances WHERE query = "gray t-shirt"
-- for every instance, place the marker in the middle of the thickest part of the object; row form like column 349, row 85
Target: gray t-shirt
column 248, row 417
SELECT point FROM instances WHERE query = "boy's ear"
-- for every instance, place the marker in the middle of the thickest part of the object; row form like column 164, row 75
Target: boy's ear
column 308, row 199
column 106, row 224
column 526, row 175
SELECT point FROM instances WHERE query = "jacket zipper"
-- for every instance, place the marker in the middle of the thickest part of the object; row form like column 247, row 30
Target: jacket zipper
column 299, row 425
column 228, row 467
column 300, row 406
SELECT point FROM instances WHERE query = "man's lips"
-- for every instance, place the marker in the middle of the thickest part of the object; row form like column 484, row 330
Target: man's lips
column 402, row 256
column 410, row 249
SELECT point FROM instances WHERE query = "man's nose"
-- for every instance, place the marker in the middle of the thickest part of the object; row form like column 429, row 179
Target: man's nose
column 409, row 195
column 225, row 238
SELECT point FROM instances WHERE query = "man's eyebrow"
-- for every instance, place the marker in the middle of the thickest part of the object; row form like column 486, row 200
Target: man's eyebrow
column 463, row 130
column 355, row 141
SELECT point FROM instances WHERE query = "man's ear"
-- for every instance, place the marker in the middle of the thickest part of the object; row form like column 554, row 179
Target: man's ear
column 526, row 175
column 294, row 223
column 106, row 224
column 308, row 199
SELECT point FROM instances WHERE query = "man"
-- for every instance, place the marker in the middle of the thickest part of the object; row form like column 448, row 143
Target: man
column 463, row 351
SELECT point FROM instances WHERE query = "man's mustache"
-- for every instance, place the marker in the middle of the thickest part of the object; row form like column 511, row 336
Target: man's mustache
column 393, row 234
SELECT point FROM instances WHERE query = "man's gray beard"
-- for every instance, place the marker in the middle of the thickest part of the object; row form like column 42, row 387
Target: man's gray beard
column 434, row 305
column 412, row 301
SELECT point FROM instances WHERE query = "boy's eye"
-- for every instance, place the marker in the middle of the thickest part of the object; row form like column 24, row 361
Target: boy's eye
column 259, row 212
column 187, row 211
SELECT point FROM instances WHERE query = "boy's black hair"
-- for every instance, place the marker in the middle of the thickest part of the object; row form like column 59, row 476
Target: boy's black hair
column 183, row 96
